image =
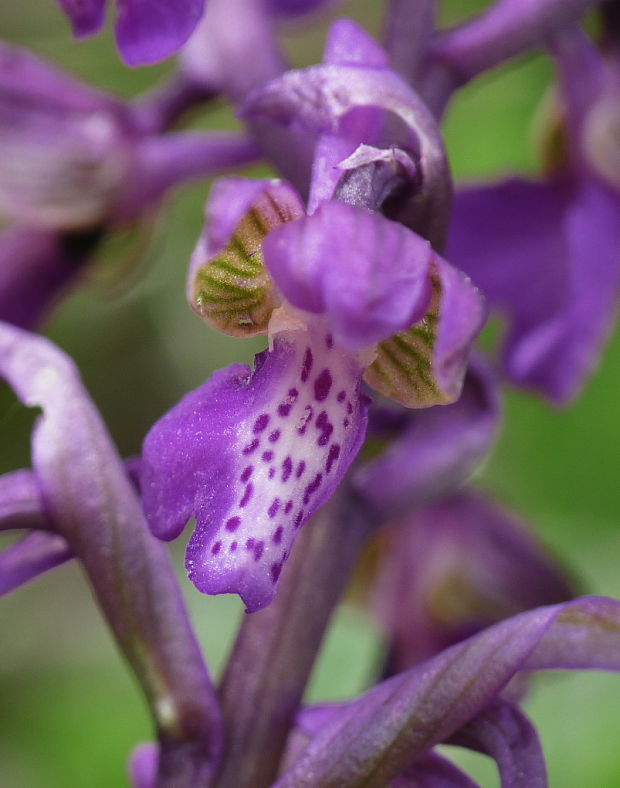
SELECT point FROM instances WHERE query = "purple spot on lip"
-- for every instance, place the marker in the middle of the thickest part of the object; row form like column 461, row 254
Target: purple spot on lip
column 349, row 408
column 275, row 571
column 346, row 422
column 322, row 385
column 233, row 547
column 246, row 495
column 247, row 473
column 216, row 548
column 298, row 518
column 325, row 426
column 274, row 436
column 267, row 456
column 273, row 509
column 250, row 543
column 305, row 419
column 233, row 523
column 258, row 550
column 341, row 396
column 334, row 453
column 251, row 447
column 288, row 507
column 277, row 535
column 284, row 408
column 312, row 487
column 261, row 422
column 329, row 341
column 287, row 469
column 272, row 472
column 307, row 365
column 300, row 469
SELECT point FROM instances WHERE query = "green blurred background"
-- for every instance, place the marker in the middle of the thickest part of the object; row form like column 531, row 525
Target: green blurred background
column 69, row 712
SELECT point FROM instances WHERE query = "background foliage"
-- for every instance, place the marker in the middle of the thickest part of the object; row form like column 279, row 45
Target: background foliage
column 69, row 712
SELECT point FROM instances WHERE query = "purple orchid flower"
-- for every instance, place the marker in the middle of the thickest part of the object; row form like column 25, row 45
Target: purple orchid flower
column 344, row 294
column 145, row 32
column 451, row 569
column 253, row 455
column 557, row 238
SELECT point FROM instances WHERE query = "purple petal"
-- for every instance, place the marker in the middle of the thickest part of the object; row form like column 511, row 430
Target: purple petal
column 323, row 99
column 453, row 568
column 559, row 245
column 29, row 558
column 379, row 286
column 86, row 16
column 228, row 284
column 425, row 365
column 143, row 764
column 505, row 733
column 21, row 504
column 376, row 737
column 433, row 771
column 148, row 31
column 347, row 45
column 252, row 455
column 432, row 451
column 36, row 267
column 91, row 503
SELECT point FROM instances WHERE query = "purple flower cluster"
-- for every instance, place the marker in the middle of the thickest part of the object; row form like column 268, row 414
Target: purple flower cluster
column 362, row 421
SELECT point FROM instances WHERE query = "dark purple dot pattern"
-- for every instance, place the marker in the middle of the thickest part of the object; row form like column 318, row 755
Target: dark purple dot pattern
column 300, row 438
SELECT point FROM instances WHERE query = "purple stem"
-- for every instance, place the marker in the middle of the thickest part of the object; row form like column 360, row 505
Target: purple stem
column 21, row 505
column 507, row 29
column 172, row 159
column 276, row 647
column 161, row 108
column 407, row 31
column 29, row 557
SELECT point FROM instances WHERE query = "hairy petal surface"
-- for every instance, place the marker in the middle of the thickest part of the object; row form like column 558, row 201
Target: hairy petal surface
column 30, row 557
column 368, row 275
column 375, row 738
column 252, row 455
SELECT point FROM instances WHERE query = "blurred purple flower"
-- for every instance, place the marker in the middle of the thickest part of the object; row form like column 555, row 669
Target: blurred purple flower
column 75, row 163
column 453, row 568
column 146, row 32
column 545, row 252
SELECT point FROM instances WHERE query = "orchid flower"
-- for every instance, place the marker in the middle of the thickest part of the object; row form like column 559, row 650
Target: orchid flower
column 344, row 295
column 557, row 237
